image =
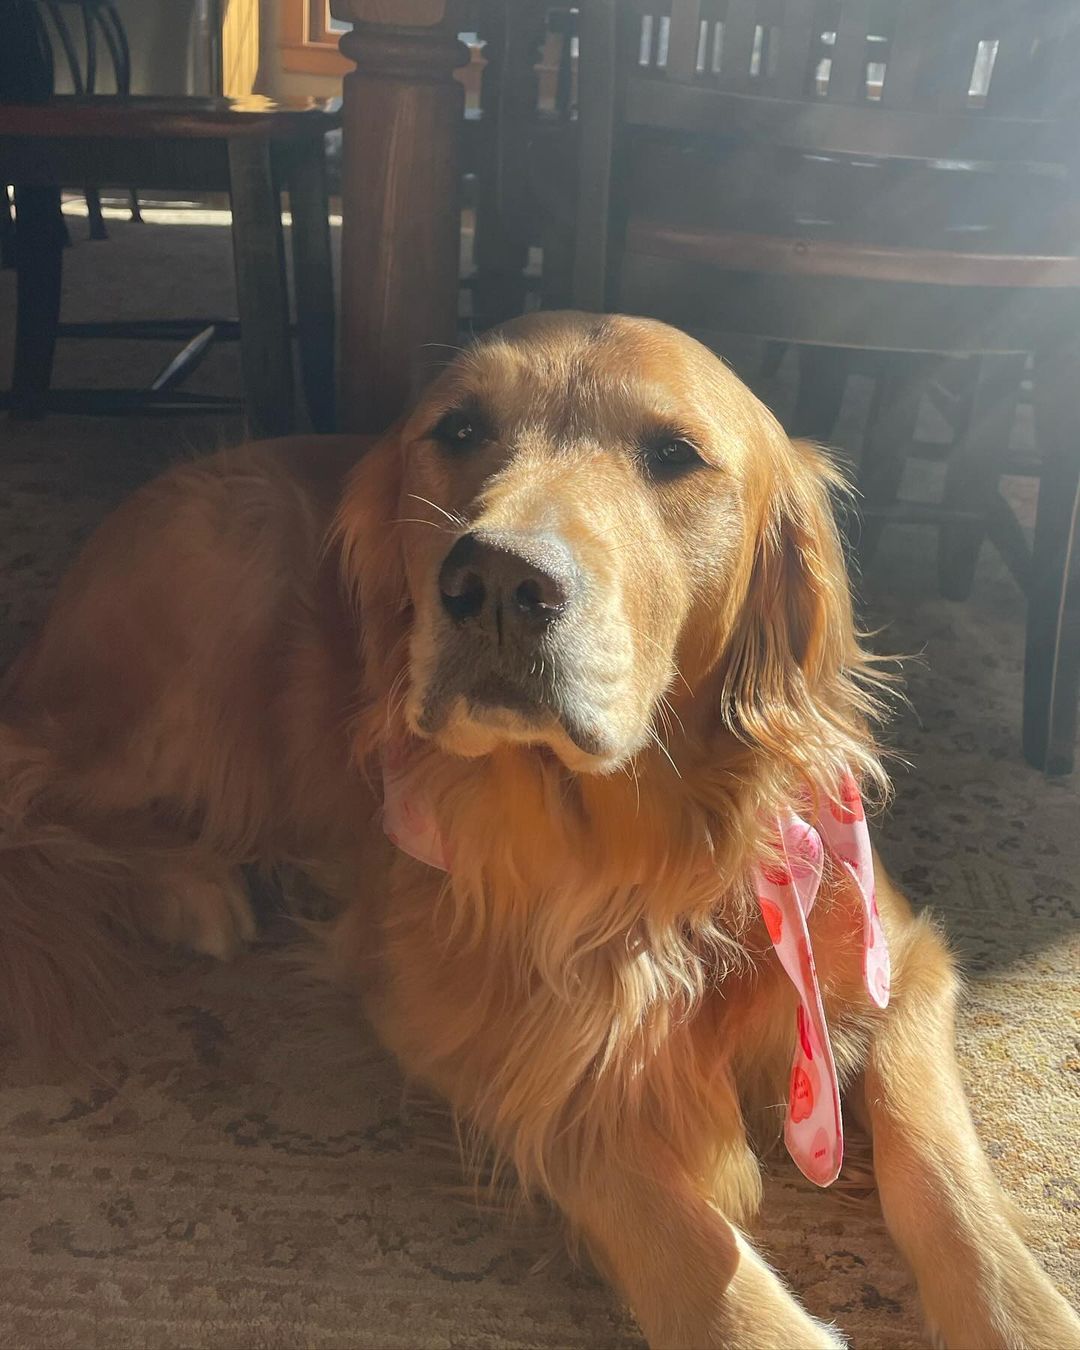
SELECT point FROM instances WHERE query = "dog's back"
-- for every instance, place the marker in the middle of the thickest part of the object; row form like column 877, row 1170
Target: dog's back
column 183, row 704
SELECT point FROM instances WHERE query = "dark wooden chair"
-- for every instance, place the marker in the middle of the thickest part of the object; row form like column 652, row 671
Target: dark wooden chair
column 250, row 148
column 890, row 178
column 99, row 38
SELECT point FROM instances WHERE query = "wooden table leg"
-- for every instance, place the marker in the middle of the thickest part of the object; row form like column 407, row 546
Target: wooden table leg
column 890, row 430
column 823, row 373
column 39, row 253
column 1052, row 657
column 974, row 468
column 401, row 235
column 261, row 289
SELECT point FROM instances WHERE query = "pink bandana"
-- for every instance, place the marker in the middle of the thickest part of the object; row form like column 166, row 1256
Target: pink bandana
column 786, row 891
column 406, row 818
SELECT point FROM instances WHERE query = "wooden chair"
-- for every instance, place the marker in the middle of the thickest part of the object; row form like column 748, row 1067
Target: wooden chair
column 251, row 148
column 895, row 178
column 99, row 33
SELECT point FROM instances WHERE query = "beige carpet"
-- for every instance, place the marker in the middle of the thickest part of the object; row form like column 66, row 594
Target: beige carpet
column 241, row 1169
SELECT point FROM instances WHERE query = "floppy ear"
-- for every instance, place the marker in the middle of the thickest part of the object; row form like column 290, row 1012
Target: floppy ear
column 372, row 565
column 795, row 681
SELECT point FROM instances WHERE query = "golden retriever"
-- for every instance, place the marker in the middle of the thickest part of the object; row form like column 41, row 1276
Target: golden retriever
column 588, row 601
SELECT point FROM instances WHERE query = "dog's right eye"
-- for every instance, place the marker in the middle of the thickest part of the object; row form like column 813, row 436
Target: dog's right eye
column 459, row 429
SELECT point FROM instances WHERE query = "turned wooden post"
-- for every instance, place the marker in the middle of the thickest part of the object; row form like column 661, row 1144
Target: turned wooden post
column 400, row 186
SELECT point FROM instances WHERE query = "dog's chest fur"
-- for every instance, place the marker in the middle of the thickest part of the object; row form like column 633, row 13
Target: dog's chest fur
column 552, row 1023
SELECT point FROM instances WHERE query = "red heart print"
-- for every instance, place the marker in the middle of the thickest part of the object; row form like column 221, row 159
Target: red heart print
column 802, row 1095
column 774, row 919
column 849, row 808
column 779, row 876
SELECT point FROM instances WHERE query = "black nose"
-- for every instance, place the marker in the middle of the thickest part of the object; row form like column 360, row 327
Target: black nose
column 508, row 581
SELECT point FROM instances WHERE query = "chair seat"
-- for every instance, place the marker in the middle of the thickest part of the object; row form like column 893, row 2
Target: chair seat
column 739, row 251
column 153, row 143
column 181, row 118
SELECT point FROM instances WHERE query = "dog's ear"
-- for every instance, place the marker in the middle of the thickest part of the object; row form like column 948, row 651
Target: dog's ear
column 793, row 680
column 372, row 565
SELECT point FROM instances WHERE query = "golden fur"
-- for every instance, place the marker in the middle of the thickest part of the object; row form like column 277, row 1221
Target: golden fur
column 590, row 984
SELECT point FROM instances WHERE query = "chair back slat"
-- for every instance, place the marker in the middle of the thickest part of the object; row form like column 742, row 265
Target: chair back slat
column 684, row 25
column 908, row 45
column 740, row 42
column 799, row 45
column 850, row 53
column 949, row 66
column 1003, row 71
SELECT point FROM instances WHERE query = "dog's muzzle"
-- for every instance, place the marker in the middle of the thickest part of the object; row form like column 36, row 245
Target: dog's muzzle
column 511, row 603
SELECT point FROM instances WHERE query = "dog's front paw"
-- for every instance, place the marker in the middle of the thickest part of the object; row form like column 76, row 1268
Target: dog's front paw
column 212, row 916
column 936, row 1337
column 1020, row 1315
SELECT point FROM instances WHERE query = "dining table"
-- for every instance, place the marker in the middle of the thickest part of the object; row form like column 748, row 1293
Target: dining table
column 400, row 190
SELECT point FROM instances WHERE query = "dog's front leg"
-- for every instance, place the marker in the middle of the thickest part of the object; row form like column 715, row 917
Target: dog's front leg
column 691, row 1279
column 980, row 1286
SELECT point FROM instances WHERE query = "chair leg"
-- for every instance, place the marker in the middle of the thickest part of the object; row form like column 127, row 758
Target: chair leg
column 93, row 210
column 39, row 252
column 974, row 469
column 772, row 358
column 261, row 288
column 313, row 279
column 556, row 279
column 501, row 286
column 890, row 430
column 823, row 373
column 1052, row 648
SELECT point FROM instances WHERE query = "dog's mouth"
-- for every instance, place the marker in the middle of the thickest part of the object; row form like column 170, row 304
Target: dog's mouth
column 499, row 706
column 496, row 693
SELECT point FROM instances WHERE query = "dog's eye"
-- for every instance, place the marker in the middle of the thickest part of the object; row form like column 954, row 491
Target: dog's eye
column 459, row 429
column 669, row 456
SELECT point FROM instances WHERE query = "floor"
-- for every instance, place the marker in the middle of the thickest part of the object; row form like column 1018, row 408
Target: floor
column 245, row 1168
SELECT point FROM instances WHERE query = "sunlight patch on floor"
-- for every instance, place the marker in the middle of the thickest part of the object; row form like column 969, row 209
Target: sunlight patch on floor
column 171, row 215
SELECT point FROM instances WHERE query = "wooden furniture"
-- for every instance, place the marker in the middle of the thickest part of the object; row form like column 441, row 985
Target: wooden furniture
column 401, row 172
column 26, row 76
column 854, row 174
column 100, row 25
column 251, row 148
column 527, row 97
column 401, row 230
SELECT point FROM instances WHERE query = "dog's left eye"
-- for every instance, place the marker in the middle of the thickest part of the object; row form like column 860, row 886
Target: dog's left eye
column 669, row 456
column 459, row 429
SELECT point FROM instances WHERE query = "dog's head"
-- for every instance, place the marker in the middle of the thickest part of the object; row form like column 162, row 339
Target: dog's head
column 587, row 526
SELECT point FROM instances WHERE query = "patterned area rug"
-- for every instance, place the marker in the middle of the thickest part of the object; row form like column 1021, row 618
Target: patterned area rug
column 243, row 1168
